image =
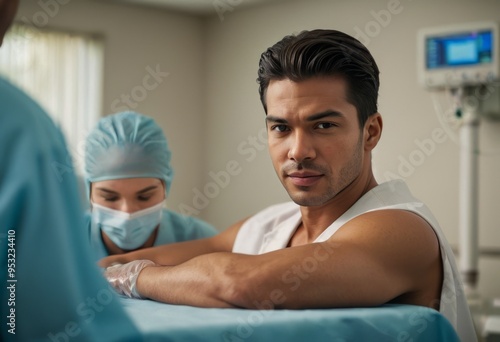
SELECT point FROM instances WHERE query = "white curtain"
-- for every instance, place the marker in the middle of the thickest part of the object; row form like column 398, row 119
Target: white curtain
column 63, row 72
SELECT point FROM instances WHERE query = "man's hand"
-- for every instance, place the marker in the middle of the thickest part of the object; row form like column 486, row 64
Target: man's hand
column 123, row 278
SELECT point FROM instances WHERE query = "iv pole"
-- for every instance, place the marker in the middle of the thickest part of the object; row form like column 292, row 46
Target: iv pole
column 468, row 189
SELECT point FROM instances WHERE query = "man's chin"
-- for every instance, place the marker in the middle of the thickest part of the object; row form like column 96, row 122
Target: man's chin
column 307, row 200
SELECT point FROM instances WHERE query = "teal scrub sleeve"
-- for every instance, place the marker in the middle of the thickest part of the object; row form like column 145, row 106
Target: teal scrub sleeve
column 176, row 227
column 51, row 289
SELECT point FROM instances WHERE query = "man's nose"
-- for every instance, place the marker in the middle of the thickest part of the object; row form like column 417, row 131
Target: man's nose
column 301, row 147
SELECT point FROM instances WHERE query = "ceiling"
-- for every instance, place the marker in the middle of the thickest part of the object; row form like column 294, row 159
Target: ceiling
column 198, row 7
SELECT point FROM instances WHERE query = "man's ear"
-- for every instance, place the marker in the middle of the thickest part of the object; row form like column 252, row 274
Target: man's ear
column 372, row 131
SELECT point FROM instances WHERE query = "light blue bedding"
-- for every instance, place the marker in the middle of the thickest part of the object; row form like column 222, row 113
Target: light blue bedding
column 401, row 323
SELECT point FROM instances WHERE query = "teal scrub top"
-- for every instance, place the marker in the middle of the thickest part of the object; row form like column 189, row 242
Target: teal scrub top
column 174, row 227
column 51, row 288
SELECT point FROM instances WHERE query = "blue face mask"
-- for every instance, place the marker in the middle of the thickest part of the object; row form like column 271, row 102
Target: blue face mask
column 127, row 231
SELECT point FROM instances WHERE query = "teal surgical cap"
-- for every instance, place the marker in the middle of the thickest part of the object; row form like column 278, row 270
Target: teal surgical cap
column 127, row 145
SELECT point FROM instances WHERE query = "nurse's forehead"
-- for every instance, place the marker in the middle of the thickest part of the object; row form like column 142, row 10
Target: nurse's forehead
column 126, row 183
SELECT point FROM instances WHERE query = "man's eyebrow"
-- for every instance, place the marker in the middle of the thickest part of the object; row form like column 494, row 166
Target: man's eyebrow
column 325, row 114
column 314, row 117
column 275, row 119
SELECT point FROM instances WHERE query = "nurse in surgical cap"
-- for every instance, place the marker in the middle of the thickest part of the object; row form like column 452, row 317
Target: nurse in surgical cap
column 128, row 177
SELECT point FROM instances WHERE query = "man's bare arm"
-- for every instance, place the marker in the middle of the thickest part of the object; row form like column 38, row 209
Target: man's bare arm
column 176, row 253
column 370, row 261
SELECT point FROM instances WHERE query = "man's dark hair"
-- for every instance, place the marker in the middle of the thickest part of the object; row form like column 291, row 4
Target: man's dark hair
column 323, row 53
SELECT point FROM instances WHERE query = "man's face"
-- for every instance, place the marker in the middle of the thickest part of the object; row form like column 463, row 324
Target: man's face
column 8, row 10
column 314, row 138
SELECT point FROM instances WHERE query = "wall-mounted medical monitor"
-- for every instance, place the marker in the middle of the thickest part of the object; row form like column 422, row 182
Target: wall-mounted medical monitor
column 458, row 55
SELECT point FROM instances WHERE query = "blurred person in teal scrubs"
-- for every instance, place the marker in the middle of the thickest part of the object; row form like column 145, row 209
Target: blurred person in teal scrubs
column 128, row 176
column 51, row 289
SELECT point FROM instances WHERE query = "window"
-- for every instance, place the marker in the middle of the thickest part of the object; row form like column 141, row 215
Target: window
column 63, row 72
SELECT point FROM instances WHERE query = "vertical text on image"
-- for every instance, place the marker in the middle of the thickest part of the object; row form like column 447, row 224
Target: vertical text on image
column 11, row 281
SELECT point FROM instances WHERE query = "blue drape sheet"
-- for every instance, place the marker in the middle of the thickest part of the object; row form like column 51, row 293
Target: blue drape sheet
column 401, row 323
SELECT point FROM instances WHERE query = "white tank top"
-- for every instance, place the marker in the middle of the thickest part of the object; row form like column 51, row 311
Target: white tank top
column 272, row 228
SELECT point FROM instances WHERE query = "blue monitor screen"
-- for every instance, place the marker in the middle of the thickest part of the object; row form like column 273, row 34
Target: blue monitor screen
column 468, row 49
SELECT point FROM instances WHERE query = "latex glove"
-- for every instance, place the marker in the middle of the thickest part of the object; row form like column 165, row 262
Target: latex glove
column 123, row 278
column 113, row 260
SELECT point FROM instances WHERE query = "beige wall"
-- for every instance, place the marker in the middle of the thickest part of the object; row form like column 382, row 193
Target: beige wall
column 209, row 106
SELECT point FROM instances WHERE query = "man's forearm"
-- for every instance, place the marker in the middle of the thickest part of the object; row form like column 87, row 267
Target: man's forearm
column 236, row 280
column 185, row 284
column 171, row 254
column 221, row 280
column 314, row 275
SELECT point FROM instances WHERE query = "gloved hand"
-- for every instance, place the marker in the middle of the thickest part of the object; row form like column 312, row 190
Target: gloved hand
column 113, row 260
column 123, row 278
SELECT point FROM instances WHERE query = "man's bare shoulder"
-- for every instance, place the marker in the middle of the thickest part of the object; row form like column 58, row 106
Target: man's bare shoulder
column 400, row 239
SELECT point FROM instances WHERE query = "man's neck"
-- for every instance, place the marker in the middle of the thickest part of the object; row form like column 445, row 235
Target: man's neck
column 315, row 219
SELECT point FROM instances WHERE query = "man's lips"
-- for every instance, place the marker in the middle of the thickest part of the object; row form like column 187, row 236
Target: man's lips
column 304, row 178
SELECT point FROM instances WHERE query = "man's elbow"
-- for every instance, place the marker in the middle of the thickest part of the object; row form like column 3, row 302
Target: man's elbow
column 252, row 292
column 236, row 292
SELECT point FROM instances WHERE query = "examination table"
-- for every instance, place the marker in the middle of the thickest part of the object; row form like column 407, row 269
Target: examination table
column 399, row 323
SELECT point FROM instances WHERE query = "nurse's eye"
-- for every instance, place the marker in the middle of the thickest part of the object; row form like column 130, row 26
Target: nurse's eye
column 110, row 199
column 279, row 128
column 143, row 198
